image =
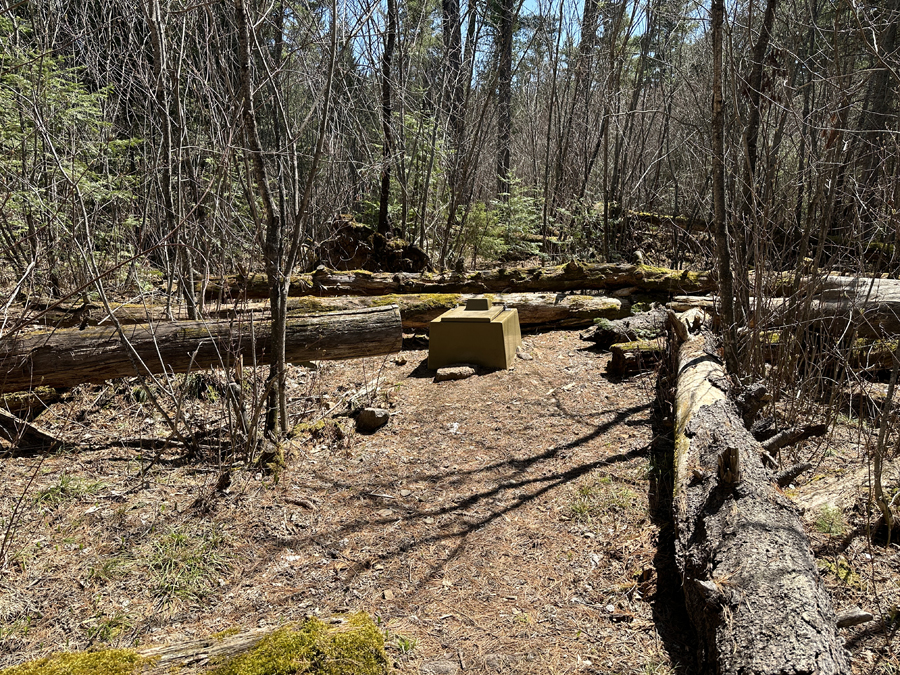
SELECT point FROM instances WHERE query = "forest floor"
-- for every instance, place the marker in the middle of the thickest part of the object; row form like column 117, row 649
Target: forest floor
column 513, row 522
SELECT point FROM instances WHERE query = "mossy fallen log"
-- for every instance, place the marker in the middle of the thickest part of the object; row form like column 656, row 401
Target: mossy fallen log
column 572, row 276
column 750, row 581
column 642, row 326
column 67, row 357
column 635, row 357
column 548, row 310
column 351, row 645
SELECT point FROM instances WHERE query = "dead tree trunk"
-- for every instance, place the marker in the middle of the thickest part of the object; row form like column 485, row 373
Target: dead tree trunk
column 65, row 358
column 570, row 277
column 750, row 580
column 547, row 310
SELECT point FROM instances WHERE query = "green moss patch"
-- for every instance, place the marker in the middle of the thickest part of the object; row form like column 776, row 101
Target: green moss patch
column 638, row 346
column 842, row 571
column 107, row 662
column 315, row 648
column 430, row 301
column 308, row 305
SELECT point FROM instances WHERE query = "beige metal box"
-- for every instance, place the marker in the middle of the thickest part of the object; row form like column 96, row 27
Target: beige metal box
column 478, row 333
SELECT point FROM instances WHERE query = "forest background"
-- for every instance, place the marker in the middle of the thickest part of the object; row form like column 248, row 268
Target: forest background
column 191, row 140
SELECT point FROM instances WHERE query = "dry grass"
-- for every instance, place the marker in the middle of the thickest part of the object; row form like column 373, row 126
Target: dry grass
column 501, row 523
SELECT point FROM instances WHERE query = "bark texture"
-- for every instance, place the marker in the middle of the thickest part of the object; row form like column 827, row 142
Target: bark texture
column 635, row 357
column 750, row 580
column 643, row 326
column 65, row 358
column 547, row 310
column 570, row 277
column 870, row 306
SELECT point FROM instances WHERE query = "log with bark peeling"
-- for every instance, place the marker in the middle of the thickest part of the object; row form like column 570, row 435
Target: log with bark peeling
column 750, row 580
column 869, row 306
column 570, row 277
column 64, row 358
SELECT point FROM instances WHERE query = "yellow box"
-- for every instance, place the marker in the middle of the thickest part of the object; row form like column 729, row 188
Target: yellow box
column 478, row 333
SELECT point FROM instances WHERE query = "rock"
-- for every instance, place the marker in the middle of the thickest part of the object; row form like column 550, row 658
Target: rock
column 501, row 663
column 525, row 356
column 371, row 419
column 454, row 373
column 440, row 668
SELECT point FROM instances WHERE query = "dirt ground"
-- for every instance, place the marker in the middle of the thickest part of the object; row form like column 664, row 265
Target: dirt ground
column 512, row 522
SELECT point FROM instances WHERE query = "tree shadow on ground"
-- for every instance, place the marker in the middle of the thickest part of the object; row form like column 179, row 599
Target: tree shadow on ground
column 669, row 612
column 524, row 489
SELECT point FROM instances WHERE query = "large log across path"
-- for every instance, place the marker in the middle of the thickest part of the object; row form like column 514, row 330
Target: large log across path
column 547, row 310
column 872, row 306
column 67, row 357
column 572, row 276
column 750, row 580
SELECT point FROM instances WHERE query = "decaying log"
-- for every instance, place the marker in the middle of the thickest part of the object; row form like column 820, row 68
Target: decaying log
column 570, row 277
column 643, row 326
column 791, row 436
column 67, row 357
column 29, row 404
column 635, row 357
column 869, row 306
column 194, row 654
column 21, row 433
column 750, row 580
column 789, row 475
column 546, row 310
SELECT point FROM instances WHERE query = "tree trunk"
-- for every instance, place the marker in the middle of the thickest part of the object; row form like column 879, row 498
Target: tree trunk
column 65, row 358
column 506, row 21
column 386, row 117
column 750, row 580
column 723, row 252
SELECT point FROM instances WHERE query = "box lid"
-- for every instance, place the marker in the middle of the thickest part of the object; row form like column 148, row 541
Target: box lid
column 465, row 315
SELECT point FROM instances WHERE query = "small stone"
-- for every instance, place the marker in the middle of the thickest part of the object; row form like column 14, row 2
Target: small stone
column 372, row 419
column 454, row 373
column 405, row 493
column 388, row 594
column 440, row 668
column 498, row 661
column 525, row 356
column 428, row 521
column 400, row 360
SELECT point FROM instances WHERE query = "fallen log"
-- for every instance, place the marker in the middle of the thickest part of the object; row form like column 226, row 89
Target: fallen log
column 24, row 434
column 64, row 358
column 643, row 326
column 546, row 310
column 869, row 306
column 635, row 357
column 570, row 277
column 750, row 580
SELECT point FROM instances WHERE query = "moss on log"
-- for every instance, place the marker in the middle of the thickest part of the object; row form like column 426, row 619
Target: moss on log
column 635, row 357
column 572, row 276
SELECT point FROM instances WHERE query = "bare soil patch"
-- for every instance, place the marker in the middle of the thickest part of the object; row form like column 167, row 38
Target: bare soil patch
column 511, row 522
